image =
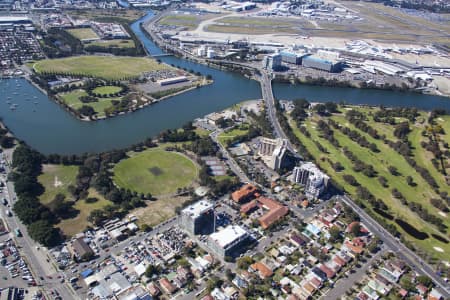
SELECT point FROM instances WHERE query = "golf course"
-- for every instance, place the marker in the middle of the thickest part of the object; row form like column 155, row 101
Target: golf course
column 155, row 171
column 403, row 195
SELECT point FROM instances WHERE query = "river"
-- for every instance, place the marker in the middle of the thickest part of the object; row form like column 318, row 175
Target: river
column 50, row 129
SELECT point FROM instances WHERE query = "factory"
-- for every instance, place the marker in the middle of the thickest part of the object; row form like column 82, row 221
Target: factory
column 198, row 218
column 313, row 179
column 230, row 241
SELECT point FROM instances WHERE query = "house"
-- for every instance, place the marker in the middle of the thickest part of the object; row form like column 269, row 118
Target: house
column 263, row 271
column 167, row 286
column 244, row 194
column 81, row 249
column 297, row 240
column 153, row 289
column 328, row 271
column 434, row 295
column 421, row 289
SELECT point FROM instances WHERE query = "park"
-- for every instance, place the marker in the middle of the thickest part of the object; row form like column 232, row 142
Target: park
column 155, row 171
column 104, row 67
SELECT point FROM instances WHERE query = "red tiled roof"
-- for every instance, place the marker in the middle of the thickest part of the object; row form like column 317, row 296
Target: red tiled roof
column 263, row 270
column 244, row 193
column 330, row 273
column 249, row 206
column 275, row 213
column 167, row 286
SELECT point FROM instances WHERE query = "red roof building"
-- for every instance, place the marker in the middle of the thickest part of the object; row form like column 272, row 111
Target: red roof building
column 244, row 194
column 275, row 213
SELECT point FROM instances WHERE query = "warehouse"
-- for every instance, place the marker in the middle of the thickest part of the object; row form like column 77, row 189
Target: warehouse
column 316, row 62
column 172, row 80
column 228, row 242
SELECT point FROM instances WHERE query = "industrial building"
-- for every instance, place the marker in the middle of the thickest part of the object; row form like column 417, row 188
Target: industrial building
column 313, row 179
column 272, row 62
column 319, row 63
column 292, row 58
column 228, row 242
column 198, row 218
column 172, row 80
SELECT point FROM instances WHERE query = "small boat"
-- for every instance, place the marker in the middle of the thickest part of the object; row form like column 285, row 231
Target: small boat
column 35, row 97
column 35, row 102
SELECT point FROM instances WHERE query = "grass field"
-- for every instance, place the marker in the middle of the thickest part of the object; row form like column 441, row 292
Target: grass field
column 107, row 67
column 229, row 135
column 421, row 193
column 75, row 225
column 106, row 90
column 155, row 171
column 83, row 33
column 112, row 43
column 56, row 179
column 73, row 100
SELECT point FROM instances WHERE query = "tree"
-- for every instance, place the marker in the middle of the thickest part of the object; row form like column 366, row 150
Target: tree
column 43, row 232
column 425, row 280
column 152, row 270
column 335, row 234
column 410, row 181
column 355, row 230
column 244, row 262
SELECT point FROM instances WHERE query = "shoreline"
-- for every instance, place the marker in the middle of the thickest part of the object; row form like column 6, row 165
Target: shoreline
column 228, row 65
column 87, row 119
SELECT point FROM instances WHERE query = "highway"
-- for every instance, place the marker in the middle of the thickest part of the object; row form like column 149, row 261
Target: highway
column 266, row 89
column 36, row 257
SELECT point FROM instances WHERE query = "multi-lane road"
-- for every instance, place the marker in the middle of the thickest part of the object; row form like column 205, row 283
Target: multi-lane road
column 37, row 257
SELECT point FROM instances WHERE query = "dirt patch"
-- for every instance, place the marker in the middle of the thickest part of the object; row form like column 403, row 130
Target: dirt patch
column 156, row 171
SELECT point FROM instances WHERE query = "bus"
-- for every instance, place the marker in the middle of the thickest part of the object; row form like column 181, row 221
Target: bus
column 17, row 232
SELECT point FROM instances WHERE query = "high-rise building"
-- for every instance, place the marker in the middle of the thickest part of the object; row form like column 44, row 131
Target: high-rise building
column 313, row 179
column 275, row 153
column 198, row 218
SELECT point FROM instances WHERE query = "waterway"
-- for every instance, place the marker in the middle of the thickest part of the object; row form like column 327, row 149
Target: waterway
column 48, row 128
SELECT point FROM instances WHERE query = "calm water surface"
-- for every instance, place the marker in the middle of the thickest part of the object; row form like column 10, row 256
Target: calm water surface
column 47, row 127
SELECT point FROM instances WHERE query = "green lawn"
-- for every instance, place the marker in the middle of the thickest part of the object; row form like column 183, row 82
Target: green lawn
column 106, row 90
column 75, row 225
column 380, row 161
column 112, row 43
column 83, row 33
column 56, row 179
column 107, row 67
column 73, row 100
column 229, row 135
column 155, row 171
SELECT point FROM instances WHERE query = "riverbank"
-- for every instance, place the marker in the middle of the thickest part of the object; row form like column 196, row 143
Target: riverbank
column 309, row 76
column 146, row 100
